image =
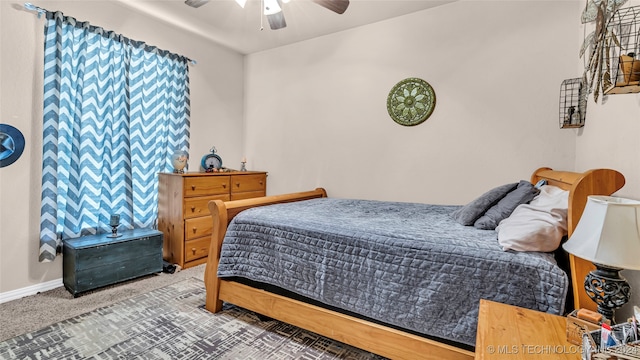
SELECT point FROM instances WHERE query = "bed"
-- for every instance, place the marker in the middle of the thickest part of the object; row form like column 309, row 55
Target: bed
column 295, row 270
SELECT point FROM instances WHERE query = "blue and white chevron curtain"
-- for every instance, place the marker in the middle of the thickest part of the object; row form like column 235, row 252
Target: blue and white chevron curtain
column 114, row 111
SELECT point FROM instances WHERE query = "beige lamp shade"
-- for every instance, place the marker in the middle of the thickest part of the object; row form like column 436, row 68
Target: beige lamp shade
column 608, row 233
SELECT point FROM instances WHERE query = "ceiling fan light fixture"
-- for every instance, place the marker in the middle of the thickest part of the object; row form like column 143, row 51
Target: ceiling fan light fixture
column 242, row 3
column 271, row 7
column 196, row 3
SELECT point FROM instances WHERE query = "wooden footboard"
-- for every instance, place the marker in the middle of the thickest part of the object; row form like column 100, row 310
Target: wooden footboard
column 376, row 338
column 222, row 213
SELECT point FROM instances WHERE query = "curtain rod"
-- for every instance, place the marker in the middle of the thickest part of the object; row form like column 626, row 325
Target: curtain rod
column 31, row 7
column 41, row 11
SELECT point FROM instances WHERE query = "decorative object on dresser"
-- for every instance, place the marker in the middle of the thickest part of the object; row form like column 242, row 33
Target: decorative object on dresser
column 94, row 261
column 211, row 162
column 179, row 161
column 183, row 215
column 608, row 235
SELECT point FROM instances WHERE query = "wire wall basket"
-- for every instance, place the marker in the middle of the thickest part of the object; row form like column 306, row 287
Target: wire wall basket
column 623, row 50
column 573, row 104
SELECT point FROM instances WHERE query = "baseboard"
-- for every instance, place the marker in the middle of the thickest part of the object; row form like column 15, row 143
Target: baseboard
column 29, row 290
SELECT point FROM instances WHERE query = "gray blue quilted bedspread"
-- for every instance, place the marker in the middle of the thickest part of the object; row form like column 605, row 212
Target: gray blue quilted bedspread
column 405, row 264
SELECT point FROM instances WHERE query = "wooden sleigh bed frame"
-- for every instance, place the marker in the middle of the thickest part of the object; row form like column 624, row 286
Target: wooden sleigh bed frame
column 373, row 337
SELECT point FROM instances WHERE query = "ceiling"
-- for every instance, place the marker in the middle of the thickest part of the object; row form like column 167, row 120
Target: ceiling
column 247, row 31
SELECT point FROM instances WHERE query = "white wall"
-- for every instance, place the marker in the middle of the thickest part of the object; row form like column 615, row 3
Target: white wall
column 216, row 115
column 316, row 110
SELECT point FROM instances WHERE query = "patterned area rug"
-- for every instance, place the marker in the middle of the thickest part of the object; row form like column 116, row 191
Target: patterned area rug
column 171, row 323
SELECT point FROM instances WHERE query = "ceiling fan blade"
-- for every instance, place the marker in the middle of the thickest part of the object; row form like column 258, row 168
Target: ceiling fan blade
column 276, row 21
column 196, row 3
column 338, row 6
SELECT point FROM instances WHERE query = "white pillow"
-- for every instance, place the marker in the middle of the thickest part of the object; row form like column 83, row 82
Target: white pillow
column 537, row 226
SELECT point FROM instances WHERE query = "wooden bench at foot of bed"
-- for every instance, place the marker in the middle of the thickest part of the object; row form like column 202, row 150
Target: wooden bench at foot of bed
column 382, row 340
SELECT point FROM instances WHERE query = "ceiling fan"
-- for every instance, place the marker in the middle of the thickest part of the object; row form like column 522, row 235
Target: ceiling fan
column 273, row 9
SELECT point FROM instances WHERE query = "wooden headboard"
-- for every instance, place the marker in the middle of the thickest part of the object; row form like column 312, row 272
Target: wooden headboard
column 580, row 185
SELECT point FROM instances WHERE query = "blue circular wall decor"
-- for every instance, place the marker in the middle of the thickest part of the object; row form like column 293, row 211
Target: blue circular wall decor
column 11, row 144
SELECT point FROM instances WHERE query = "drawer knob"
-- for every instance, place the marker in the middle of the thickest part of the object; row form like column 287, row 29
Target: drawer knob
column 238, row 184
column 193, row 187
column 261, row 183
column 193, row 208
column 195, row 229
column 193, row 250
column 224, row 186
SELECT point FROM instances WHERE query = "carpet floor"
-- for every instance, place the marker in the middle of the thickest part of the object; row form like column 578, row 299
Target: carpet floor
column 170, row 322
column 34, row 312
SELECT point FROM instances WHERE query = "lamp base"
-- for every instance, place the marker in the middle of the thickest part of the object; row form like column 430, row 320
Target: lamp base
column 607, row 289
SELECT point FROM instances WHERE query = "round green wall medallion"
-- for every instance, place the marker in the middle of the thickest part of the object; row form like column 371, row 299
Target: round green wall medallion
column 411, row 101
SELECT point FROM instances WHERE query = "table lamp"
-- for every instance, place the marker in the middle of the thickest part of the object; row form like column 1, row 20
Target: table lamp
column 608, row 235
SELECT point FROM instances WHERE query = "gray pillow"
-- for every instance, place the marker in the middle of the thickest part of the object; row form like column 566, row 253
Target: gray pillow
column 523, row 194
column 469, row 213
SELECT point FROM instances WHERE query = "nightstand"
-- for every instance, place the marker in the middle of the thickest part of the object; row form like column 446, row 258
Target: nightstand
column 510, row 332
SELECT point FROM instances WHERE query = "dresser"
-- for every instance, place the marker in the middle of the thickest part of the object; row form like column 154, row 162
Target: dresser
column 183, row 213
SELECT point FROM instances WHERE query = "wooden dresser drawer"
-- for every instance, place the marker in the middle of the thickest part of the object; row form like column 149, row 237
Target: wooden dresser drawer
column 197, row 227
column 196, row 249
column 242, row 183
column 198, row 206
column 247, row 195
column 207, row 185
